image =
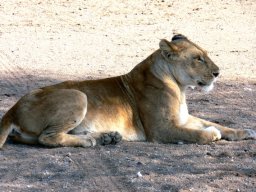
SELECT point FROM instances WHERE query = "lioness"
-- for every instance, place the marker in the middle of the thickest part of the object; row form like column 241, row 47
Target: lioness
column 147, row 104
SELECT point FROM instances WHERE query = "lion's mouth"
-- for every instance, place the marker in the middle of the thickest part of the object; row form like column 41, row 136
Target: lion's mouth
column 201, row 84
column 206, row 87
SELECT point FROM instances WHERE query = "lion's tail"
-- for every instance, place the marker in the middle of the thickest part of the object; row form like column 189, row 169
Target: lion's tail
column 5, row 127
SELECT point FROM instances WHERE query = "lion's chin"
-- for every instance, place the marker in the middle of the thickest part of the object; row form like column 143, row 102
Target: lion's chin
column 207, row 88
column 204, row 88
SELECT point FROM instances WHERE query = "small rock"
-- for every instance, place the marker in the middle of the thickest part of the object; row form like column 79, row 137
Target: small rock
column 247, row 89
column 225, row 154
column 180, row 143
column 139, row 174
column 139, row 163
column 68, row 154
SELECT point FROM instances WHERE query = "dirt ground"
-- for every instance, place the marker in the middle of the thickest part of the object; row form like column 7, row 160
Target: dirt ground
column 47, row 41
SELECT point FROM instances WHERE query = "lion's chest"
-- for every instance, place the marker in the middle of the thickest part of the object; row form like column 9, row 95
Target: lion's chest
column 183, row 114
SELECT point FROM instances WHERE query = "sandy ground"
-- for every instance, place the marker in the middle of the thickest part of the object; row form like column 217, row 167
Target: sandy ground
column 47, row 41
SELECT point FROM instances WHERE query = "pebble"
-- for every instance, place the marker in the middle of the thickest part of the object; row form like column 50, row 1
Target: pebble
column 139, row 174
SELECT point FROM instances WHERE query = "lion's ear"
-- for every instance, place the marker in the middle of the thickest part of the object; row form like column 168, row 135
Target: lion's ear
column 179, row 37
column 168, row 48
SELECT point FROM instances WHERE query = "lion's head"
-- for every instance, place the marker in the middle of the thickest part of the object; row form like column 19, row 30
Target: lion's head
column 188, row 63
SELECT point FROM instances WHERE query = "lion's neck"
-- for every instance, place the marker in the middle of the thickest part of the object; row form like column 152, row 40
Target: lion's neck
column 162, row 70
column 166, row 73
column 153, row 70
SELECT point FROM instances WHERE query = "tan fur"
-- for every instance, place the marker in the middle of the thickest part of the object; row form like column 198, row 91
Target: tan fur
column 148, row 103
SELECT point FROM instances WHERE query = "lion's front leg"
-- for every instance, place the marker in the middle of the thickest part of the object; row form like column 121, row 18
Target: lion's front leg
column 164, row 130
column 176, row 134
column 226, row 133
column 171, row 123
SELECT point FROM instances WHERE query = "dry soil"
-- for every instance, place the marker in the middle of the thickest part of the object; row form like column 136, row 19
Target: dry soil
column 43, row 42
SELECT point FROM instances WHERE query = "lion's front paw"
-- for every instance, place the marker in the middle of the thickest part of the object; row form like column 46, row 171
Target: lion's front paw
column 110, row 138
column 250, row 134
column 216, row 135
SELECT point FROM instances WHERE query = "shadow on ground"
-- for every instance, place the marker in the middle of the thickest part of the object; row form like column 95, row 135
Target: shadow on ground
column 118, row 168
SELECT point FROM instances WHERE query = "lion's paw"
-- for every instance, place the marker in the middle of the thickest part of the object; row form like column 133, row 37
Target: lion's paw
column 250, row 134
column 87, row 141
column 216, row 133
column 110, row 138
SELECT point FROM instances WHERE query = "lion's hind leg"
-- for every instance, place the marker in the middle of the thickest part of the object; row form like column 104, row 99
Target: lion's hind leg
column 18, row 137
column 54, row 138
column 91, row 139
column 66, row 140
column 65, row 114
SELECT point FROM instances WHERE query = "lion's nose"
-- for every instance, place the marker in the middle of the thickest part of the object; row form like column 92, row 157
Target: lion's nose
column 215, row 74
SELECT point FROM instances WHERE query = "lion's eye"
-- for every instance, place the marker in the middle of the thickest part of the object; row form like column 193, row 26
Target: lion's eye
column 200, row 59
